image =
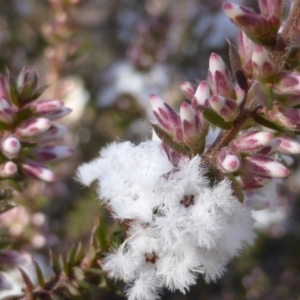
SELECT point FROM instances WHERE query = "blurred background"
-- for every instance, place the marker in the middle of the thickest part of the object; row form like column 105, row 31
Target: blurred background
column 104, row 58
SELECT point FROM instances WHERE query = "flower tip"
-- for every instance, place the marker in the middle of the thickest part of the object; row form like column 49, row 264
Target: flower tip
column 227, row 5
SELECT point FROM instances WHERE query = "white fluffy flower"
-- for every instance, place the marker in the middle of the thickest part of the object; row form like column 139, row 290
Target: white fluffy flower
column 180, row 226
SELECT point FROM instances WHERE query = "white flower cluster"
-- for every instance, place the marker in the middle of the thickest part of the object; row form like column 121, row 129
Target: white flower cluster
column 180, row 226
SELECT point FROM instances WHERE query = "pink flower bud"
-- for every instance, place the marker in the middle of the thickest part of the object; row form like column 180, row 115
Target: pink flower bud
column 228, row 161
column 257, row 202
column 51, row 153
column 270, row 148
column 240, row 94
column 6, row 111
column 226, row 108
column 191, row 126
column 271, row 8
column 288, row 145
column 167, row 117
column 8, row 169
column 262, row 64
column 288, row 84
column 58, row 114
column 252, row 141
column 288, row 117
column 219, row 76
column 251, row 23
column 250, row 182
column 53, row 133
column 46, row 106
column 245, row 46
column 264, row 166
column 187, row 89
column 10, row 147
column 10, row 258
column 32, row 127
column 37, row 171
column 201, row 95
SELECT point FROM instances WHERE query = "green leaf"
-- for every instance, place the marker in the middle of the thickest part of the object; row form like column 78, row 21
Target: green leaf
column 90, row 256
column 54, row 263
column 264, row 94
column 212, row 117
column 39, row 273
column 260, row 119
column 22, row 115
column 72, row 290
column 237, row 189
column 79, row 254
column 78, row 273
column 71, row 256
column 169, row 141
column 63, row 264
column 101, row 236
column 11, row 89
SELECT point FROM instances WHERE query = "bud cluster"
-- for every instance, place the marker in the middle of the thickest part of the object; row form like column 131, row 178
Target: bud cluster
column 250, row 155
column 27, row 124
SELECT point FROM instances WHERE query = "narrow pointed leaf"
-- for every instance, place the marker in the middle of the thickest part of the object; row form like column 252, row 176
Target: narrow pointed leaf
column 54, row 263
column 237, row 189
column 79, row 254
column 71, row 256
column 101, row 236
column 212, row 117
column 29, row 284
column 39, row 273
column 269, row 124
column 168, row 140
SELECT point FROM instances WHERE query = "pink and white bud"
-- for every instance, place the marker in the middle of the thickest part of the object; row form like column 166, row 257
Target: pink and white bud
column 46, row 106
column 228, row 161
column 256, row 202
column 288, row 145
column 264, row 166
column 51, row 153
column 53, row 133
column 219, row 77
column 288, row 117
column 37, row 171
column 201, row 95
column 6, row 111
column 271, row 148
column 32, row 127
column 188, row 89
column 226, row 108
column 240, row 94
column 252, row 141
column 58, row 114
column 8, row 169
column 10, row 258
column 262, row 64
column 167, row 117
column 250, row 182
column 251, row 23
column 245, row 47
column 270, row 8
column 288, row 84
column 193, row 131
column 10, row 147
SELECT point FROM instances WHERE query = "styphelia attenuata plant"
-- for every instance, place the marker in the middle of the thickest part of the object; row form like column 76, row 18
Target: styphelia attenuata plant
column 185, row 202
